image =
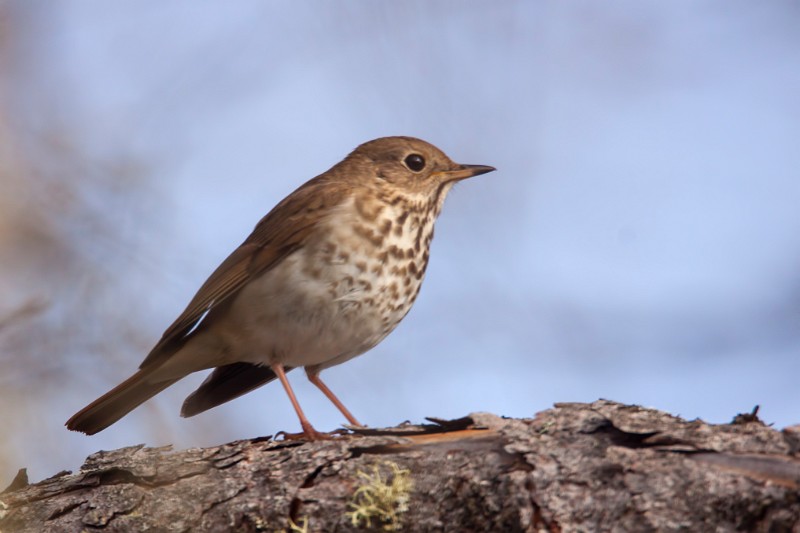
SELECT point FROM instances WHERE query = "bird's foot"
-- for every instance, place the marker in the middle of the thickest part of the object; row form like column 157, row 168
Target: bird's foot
column 311, row 434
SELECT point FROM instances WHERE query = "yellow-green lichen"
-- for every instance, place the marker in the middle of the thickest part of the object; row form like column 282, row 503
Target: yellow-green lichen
column 261, row 525
column 294, row 528
column 382, row 495
column 545, row 428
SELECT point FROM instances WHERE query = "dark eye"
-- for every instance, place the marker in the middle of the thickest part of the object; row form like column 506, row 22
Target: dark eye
column 415, row 162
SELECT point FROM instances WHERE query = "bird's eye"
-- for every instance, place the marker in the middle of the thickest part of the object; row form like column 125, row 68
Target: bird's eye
column 415, row 162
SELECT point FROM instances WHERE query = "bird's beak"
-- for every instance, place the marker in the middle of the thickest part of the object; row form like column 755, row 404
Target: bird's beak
column 461, row 172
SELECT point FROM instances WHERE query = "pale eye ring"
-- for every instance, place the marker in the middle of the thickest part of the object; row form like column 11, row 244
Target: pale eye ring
column 414, row 162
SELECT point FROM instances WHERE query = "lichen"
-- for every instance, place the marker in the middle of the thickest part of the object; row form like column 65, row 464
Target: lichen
column 261, row 525
column 294, row 528
column 383, row 495
column 545, row 428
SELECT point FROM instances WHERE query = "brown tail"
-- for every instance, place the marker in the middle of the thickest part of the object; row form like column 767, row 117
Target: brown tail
column 116, row 403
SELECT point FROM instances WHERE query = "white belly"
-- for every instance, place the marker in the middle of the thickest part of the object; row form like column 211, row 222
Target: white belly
column 290, row 317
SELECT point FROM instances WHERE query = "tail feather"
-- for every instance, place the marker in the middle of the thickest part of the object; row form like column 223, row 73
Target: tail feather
column 226, row 383
column 117, row 403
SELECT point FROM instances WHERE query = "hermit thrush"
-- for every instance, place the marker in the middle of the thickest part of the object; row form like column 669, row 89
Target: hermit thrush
column 324, row 277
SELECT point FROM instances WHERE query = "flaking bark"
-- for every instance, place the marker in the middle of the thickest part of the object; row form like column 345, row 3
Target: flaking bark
column 577, row 467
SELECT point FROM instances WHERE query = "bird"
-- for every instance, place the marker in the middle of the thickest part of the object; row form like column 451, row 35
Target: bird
column 325, row 276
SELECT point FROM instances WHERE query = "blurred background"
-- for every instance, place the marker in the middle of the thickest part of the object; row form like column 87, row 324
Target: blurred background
column 640, row 240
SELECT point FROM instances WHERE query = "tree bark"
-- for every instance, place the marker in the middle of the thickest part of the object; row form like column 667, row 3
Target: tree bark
column 577, row 467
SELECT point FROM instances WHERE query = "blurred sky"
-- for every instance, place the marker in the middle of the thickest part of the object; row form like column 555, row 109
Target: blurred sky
column 639, row 242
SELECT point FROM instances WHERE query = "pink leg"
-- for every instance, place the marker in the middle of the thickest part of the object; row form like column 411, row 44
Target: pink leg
column 313, row 377
column 308, row 430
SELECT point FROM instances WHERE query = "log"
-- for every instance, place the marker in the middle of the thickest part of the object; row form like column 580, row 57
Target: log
column 602, row 466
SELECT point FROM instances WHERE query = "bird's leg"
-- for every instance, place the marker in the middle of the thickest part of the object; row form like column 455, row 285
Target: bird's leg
column 313, row 377
column 308, row 430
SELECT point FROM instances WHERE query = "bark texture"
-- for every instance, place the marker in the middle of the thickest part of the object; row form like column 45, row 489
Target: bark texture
column 577, row 467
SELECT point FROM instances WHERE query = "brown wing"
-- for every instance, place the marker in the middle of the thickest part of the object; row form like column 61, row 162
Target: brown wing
column 281, row 232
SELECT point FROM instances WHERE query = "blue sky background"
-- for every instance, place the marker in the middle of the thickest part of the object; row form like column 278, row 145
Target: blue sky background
column 640, row 240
